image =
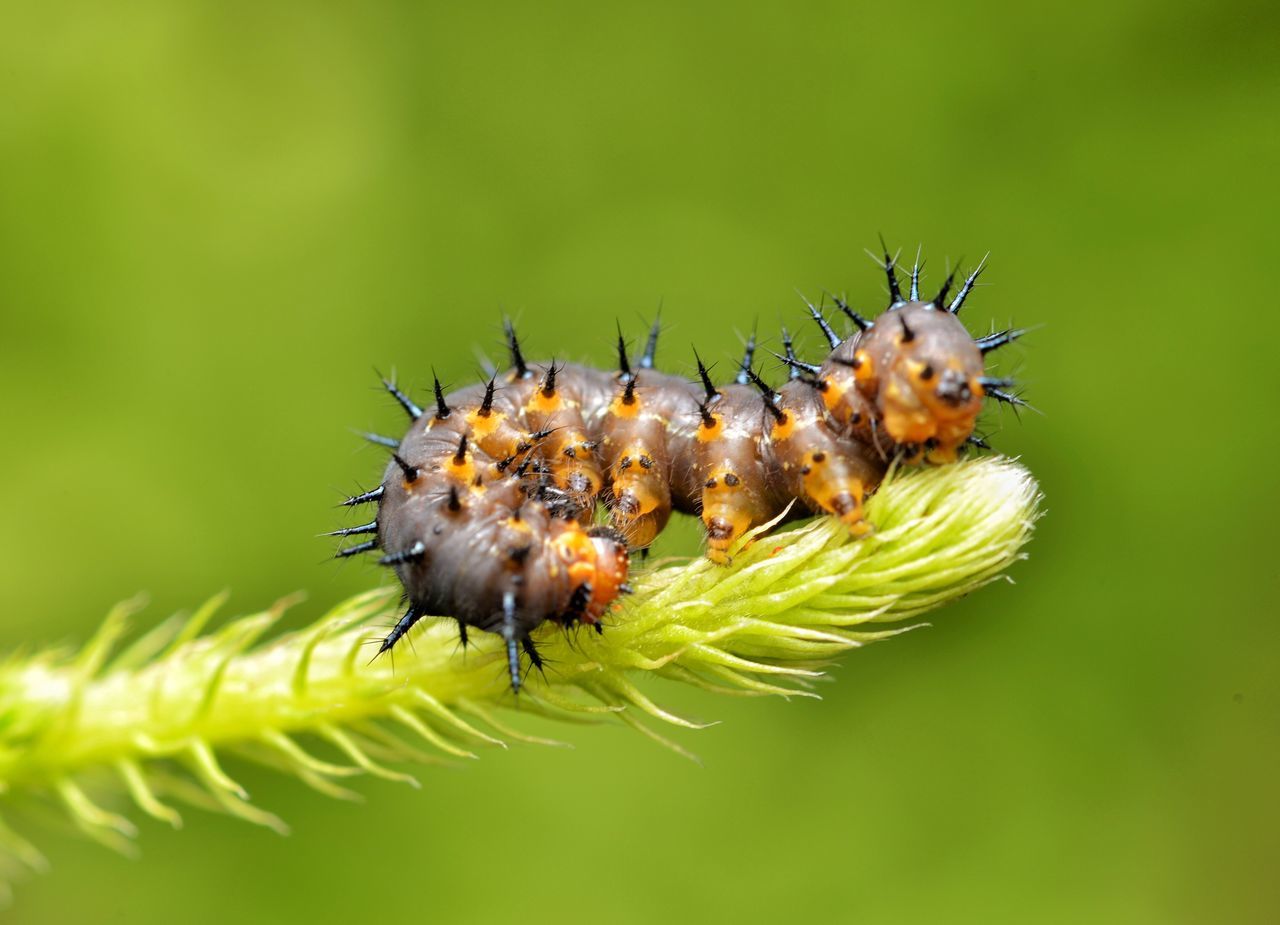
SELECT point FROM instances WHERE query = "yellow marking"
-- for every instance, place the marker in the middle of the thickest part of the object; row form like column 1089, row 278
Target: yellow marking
column 620, row 409
column 540, row 402
column 707, row 434
column 864, row 369
column 782, row 430
column 483, row 425
column 464, row 472
column 834, row 393
column 908, row 425
column 578, row 553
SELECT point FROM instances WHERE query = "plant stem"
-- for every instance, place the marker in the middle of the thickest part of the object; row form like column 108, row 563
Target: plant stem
column 158, row 714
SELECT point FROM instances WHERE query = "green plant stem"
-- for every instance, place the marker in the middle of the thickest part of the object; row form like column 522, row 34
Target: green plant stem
column 158, row 714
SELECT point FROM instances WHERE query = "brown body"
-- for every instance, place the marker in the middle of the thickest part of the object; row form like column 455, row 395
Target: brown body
column 487, row 506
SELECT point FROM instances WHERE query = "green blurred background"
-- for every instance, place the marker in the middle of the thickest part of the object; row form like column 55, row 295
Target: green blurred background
column 215, row 218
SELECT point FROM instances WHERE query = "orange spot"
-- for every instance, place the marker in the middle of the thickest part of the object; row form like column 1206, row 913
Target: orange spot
column 863, row 368
column 483, row 425
column 907, row 425
column 540, row 402
column 782, row 430
column 464, row 472
column 575, row 550
column 621, row 409
column 834, row 393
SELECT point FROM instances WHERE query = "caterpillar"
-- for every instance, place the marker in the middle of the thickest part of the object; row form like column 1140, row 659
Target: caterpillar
column 487, row 508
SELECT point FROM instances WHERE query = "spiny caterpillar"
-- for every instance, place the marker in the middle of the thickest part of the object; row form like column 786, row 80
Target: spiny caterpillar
column 486, row 510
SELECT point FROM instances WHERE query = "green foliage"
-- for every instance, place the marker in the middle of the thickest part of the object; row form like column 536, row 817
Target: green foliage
column 154, row 719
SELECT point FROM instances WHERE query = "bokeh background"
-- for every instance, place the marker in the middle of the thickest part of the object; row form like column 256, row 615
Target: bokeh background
column 215, row 218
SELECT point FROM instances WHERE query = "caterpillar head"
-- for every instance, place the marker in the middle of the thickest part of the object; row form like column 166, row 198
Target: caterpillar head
column 923, row 371
column 596, row 559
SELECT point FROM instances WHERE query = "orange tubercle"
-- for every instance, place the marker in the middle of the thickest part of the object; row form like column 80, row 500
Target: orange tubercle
column 864, row 368
column 783, row 429
column 483, row 425
column 542, row 403
column 707, row 433
column 621, row 408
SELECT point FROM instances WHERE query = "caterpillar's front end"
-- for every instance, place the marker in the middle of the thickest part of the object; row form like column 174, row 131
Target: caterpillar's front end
column 913, row 382
column 925, row 374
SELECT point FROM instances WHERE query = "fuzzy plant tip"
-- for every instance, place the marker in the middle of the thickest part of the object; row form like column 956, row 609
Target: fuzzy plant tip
column 150, row 720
